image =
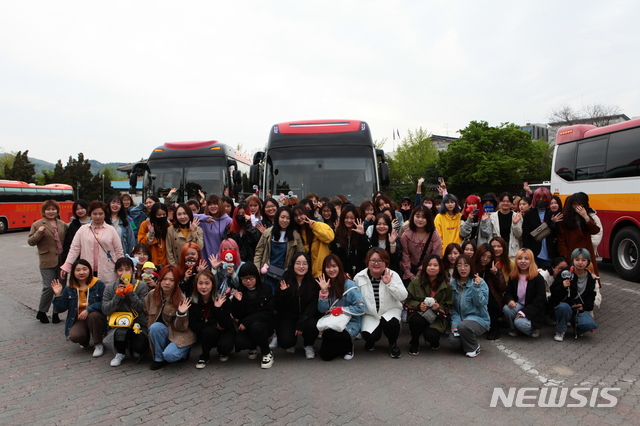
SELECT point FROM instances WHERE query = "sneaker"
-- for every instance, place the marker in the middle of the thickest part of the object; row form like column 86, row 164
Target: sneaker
column 349, row 355
column 117, row 360
column 309, row 352
column 291, row 350
column 267, row 360
column 559, row 337
column 135, row 355
column 202, row 363
column 394, row 351
column 435, row 348
column 414, row 350
column 157, row 365
column 475, row 353
column 493, row 334
column 513, row 333
column 98, row 351
column 369, row 346
column 358, row 336
column 55, row 319
column 252, row 354
column 320, row 335
column 536, row 332
column 82, row 347
column 223, row 358
column 273, row 344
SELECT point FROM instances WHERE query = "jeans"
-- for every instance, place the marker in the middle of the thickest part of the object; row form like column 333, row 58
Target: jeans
column 165, row 350
column 521, row 324
column 584, row 321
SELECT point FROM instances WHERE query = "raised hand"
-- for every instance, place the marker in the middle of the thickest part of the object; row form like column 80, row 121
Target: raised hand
column 184, row 305
column 56, row 287
column 220, row 300
column 202, row 265
column 486, row 216
column 494, row 268
column 283, row 285
column 386, row 277
column 322, row 282
column 214, row 262
column 194, row 224
column 393, row 236
column 557, row 217
column 260, row 226
column 238, row 295
column 477, row 279
column 359, row 228
column 517, row 217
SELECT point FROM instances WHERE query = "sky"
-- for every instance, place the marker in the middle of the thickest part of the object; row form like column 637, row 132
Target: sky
column 114, row 80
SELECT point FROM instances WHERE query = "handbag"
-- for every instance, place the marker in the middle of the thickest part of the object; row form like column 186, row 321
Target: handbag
column 334, row 322
column 541, row 232
column 123, row 319
column 275, row 273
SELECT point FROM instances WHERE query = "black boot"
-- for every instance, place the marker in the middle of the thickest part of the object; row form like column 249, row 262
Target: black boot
column 55, row 318
column 42, row 316
column 494, row 333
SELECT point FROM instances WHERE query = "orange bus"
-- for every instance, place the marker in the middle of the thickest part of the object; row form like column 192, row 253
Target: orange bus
column 20, row 202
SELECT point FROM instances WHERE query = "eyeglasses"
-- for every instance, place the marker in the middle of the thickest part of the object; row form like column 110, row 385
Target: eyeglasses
column 248, row 278
column 376, row 261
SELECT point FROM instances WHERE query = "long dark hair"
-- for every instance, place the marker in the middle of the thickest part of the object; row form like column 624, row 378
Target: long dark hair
column 336, row 288
column 447, row 198
column 288, row 233
column 160, row 224
column 84, row 205
column 482, row 249
column 375, row 237
column 505, row 262
column 122, row 213
column 308, row 283
column 342, row 233
column 424, row 277
column 334, row 214
column 571, row 219
column 304, row 228
column 187, row 209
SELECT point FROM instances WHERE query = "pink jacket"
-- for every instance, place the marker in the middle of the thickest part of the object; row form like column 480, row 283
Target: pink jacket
column 83, row 246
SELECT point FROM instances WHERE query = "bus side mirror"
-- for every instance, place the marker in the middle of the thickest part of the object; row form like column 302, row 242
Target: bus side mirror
column 133, row 182
column 237, row 177
column 384, row 173
column 258, row 157
column 254, row 174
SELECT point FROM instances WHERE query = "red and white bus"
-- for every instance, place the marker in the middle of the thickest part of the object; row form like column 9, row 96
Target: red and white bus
column 20, row 202
column 604, row 163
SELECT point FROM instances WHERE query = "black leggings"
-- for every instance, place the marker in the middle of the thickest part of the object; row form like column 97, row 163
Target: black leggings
column 335, row 344
column 390, row 328
column 495, row 311
column 211, row 337
column 286, row 332
column 418, row 326
column 256, row 335
column 125, row 338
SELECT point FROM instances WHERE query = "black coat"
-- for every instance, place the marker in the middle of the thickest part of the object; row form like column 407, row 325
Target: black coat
column 535, row 299
column 247, row 242
column 251, row 310
column 530, row 222
column 559, row 292
column 221, row 316
column 300, row 308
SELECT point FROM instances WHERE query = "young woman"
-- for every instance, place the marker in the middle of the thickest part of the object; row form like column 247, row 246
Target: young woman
column 141, row 254
column 98, row 243
column 243, row 233
column 382, row 201
column 185, row 230
column 226, row 273
column 141, row 212
column 119, row 219
column 252, row 309
column 127, row 295
column 83, row 299
column 153, row 232
column 127, row 202
column 503, row 261
column 525, row 297
column 167, row 313
column 213, row 224
column 316, row 237
column 448, row 221
column 472, row 216
column 577, row 227
column 469, row 314
column 490, row 272
column 269, row 210
column 524, row 205
column 419, row 241
column 540, row 212
column 190, row 263
column 48, row 235
column 80, row 217
column 550, row 274
column 506, row 223
column 254, row 203
column 351, row 242
column 367, row 213
column 573, row 297
column 468, row 248
column 338, row 292
column 296, row 305
column 430, row 282
column 382, row 235
column 277, row 246
column 383, row 292
column 228, row 205
column 210, row 318
column 329, row 214
column 451, row 254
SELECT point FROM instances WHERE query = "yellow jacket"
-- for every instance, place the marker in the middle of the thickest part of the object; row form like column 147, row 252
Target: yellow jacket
column 323, row 235
column 448, row 228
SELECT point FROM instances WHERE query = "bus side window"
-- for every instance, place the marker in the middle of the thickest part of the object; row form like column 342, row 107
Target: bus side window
column 623, row 155
column 590, row 159
column 566, row 161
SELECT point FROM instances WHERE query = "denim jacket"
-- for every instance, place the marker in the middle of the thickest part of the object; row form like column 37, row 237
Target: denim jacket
column 352, row 303
column 68, row 301
column 470, row 303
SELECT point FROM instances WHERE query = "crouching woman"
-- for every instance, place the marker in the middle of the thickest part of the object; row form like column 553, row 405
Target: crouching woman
column 168, row 317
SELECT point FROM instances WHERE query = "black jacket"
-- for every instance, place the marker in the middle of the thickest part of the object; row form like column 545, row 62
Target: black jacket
column 247, row 242
column 531, row 221
column 258, row 309
column 221, row 316
column 559, row 293
column 535, row 299
column 301, row 308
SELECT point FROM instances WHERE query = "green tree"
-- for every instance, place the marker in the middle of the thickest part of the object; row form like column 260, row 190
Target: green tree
column 414, row 157
column 6, row 159
column 379, row 144
column 486, row 156
column 22, row 169
column 78, row 174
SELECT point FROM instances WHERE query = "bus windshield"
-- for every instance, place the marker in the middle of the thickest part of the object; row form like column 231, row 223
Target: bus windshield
column 325, row 170
column 188, row 175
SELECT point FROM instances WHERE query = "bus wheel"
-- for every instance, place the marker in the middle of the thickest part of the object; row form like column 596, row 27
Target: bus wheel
column 625, row 251
column 3, row 226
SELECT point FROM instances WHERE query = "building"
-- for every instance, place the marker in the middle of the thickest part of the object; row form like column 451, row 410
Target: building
column 537, row 131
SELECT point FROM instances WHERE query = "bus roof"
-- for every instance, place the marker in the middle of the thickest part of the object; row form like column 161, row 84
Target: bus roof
column 582, row 131
column 319, row 127
column 198, row 149
column 20, row 184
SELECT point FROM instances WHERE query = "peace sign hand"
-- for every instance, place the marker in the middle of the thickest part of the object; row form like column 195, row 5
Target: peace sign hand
column 494, row 268
column 386, row 277
column 477, row 279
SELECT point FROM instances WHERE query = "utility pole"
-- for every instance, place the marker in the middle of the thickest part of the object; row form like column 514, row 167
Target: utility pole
column 103, row 186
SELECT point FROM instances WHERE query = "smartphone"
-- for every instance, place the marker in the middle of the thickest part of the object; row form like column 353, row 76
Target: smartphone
column 456, row 334
column 475, row 211
column 421, row 180
column 126, row 278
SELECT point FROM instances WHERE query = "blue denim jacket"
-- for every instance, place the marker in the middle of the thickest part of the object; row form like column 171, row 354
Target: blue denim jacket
column 470, row 303
column 69, row 301
column 353, row 305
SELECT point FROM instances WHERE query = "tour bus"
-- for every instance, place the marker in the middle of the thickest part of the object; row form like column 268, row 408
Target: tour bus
column 327, row 157
column 20, row 203
column 209, row 166
column 604, row 163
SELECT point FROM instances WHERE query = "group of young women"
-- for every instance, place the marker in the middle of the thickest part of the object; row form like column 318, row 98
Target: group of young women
column 160, row 278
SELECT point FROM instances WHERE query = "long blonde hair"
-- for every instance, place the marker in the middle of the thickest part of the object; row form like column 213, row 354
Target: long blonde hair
column 533, row 268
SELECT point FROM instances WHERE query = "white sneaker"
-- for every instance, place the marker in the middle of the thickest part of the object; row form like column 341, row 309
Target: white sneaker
column 349, row 355
column 98, row 351
column 559, row 337
column 117, row 360
column 274, row 343
column 291, row 350
column 252, row 354
column 267, row 361
column 475, row 353
column 309, row 352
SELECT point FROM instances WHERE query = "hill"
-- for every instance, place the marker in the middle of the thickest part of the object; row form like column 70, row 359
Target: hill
column 96, row 166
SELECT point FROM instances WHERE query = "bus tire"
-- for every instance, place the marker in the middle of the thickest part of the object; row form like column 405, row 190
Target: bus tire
column 625, row 250
column 3, row 225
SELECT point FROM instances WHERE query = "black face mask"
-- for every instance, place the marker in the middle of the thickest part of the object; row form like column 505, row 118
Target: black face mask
column 240, row 218
column 541, row 204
